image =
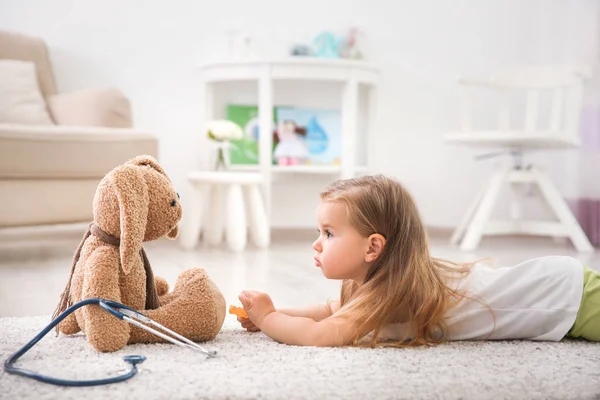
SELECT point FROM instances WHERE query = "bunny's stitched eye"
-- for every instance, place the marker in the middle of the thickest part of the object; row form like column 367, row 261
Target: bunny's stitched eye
column 173, row 203
column 178, row 196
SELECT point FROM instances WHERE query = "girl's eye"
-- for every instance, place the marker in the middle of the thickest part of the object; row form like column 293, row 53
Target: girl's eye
column 327, row 233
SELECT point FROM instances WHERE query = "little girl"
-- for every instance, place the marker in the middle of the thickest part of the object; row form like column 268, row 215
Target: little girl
column 394, row 293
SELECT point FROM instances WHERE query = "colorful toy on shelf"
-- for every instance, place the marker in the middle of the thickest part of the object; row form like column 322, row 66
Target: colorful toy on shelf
column 348, row 47
column 239, row 311
column 326, row 45
column 301, row 50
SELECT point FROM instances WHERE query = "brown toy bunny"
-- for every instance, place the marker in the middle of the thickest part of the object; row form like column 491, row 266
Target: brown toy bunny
column 134, row 203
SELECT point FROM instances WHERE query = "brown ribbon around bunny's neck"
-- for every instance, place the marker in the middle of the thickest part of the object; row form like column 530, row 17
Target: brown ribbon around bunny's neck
column 152, row 301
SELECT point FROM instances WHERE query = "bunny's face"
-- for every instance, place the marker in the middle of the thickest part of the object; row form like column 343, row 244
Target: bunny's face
column 136, row 202
column 164, row 207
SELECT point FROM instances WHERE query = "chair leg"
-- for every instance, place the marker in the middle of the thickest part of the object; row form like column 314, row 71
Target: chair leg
column 562, row 211
column 259, row 228
column 190, row 231
column 213, row 234
column 235, row 222
column 516, row 200
column 460, row 230
column 477, row 226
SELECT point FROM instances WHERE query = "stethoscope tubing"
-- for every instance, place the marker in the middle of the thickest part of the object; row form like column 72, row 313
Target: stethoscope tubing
column 133, row 360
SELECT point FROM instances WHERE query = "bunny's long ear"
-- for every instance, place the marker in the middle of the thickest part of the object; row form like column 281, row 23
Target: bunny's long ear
column 147, row 160
column 132, row 193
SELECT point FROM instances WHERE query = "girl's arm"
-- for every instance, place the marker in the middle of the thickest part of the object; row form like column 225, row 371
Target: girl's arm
column 317, row 312
column 303, row 331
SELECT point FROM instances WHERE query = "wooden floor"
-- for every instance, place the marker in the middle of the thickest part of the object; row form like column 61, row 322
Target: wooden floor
column 33, row 273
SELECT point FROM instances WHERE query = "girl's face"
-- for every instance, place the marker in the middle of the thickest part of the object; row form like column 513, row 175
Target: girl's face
column 341, row 250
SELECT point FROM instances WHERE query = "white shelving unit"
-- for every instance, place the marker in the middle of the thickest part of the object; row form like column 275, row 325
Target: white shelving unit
column 349, row 73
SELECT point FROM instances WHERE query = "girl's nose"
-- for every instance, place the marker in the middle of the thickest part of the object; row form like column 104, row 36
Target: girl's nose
column 317, row 245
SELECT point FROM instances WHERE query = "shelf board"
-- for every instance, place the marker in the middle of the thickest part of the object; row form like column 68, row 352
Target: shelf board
column 292, row 68
column 297, row 169
column 293, row 60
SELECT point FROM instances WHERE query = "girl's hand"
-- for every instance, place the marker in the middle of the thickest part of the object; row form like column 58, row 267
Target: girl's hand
column 257, row 305
column 248, row 325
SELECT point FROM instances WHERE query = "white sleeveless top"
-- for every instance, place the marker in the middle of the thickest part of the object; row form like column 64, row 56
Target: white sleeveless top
column 536, row 300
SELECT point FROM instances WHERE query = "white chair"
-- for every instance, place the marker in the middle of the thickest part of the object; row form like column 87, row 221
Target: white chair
column 234, row 205
column 560, row 131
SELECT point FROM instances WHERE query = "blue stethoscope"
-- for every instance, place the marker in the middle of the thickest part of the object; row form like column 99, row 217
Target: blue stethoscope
column 120, row 311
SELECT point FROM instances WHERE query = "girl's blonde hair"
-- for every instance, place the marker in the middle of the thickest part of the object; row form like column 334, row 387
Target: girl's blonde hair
column 404, row 284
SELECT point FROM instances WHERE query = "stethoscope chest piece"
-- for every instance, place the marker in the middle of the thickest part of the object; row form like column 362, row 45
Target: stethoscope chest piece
column 134, row 359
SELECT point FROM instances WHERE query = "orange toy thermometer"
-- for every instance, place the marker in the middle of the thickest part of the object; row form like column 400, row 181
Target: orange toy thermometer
column 240, row 312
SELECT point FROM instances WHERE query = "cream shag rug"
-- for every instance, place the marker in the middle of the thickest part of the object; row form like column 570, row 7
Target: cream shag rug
column 250, row 365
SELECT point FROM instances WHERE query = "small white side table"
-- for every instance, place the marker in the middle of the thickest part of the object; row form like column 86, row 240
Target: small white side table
column 234, row 205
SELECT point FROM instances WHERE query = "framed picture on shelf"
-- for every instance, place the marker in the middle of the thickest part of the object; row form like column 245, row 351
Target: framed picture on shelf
column 245, row 150
column 301, row 136
column 318, row 136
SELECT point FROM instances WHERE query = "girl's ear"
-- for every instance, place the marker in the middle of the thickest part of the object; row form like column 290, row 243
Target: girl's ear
column 376, row 245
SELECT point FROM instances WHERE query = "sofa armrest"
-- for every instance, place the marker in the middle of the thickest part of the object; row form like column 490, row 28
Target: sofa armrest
column 104, row 107
column 41, row 152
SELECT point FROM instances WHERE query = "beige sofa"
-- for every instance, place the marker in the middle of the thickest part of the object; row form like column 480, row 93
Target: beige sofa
column 49, row 172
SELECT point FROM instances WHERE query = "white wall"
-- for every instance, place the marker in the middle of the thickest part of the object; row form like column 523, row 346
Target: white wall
column 149, row 49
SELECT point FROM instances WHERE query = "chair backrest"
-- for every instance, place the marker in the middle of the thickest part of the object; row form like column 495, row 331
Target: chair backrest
column 26, row 48
column 561, row 85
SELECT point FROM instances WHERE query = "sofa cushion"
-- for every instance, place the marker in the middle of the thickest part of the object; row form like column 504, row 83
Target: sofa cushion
column 20, row 98
column 63, row 152
column 100, row 107
column 16, row 46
